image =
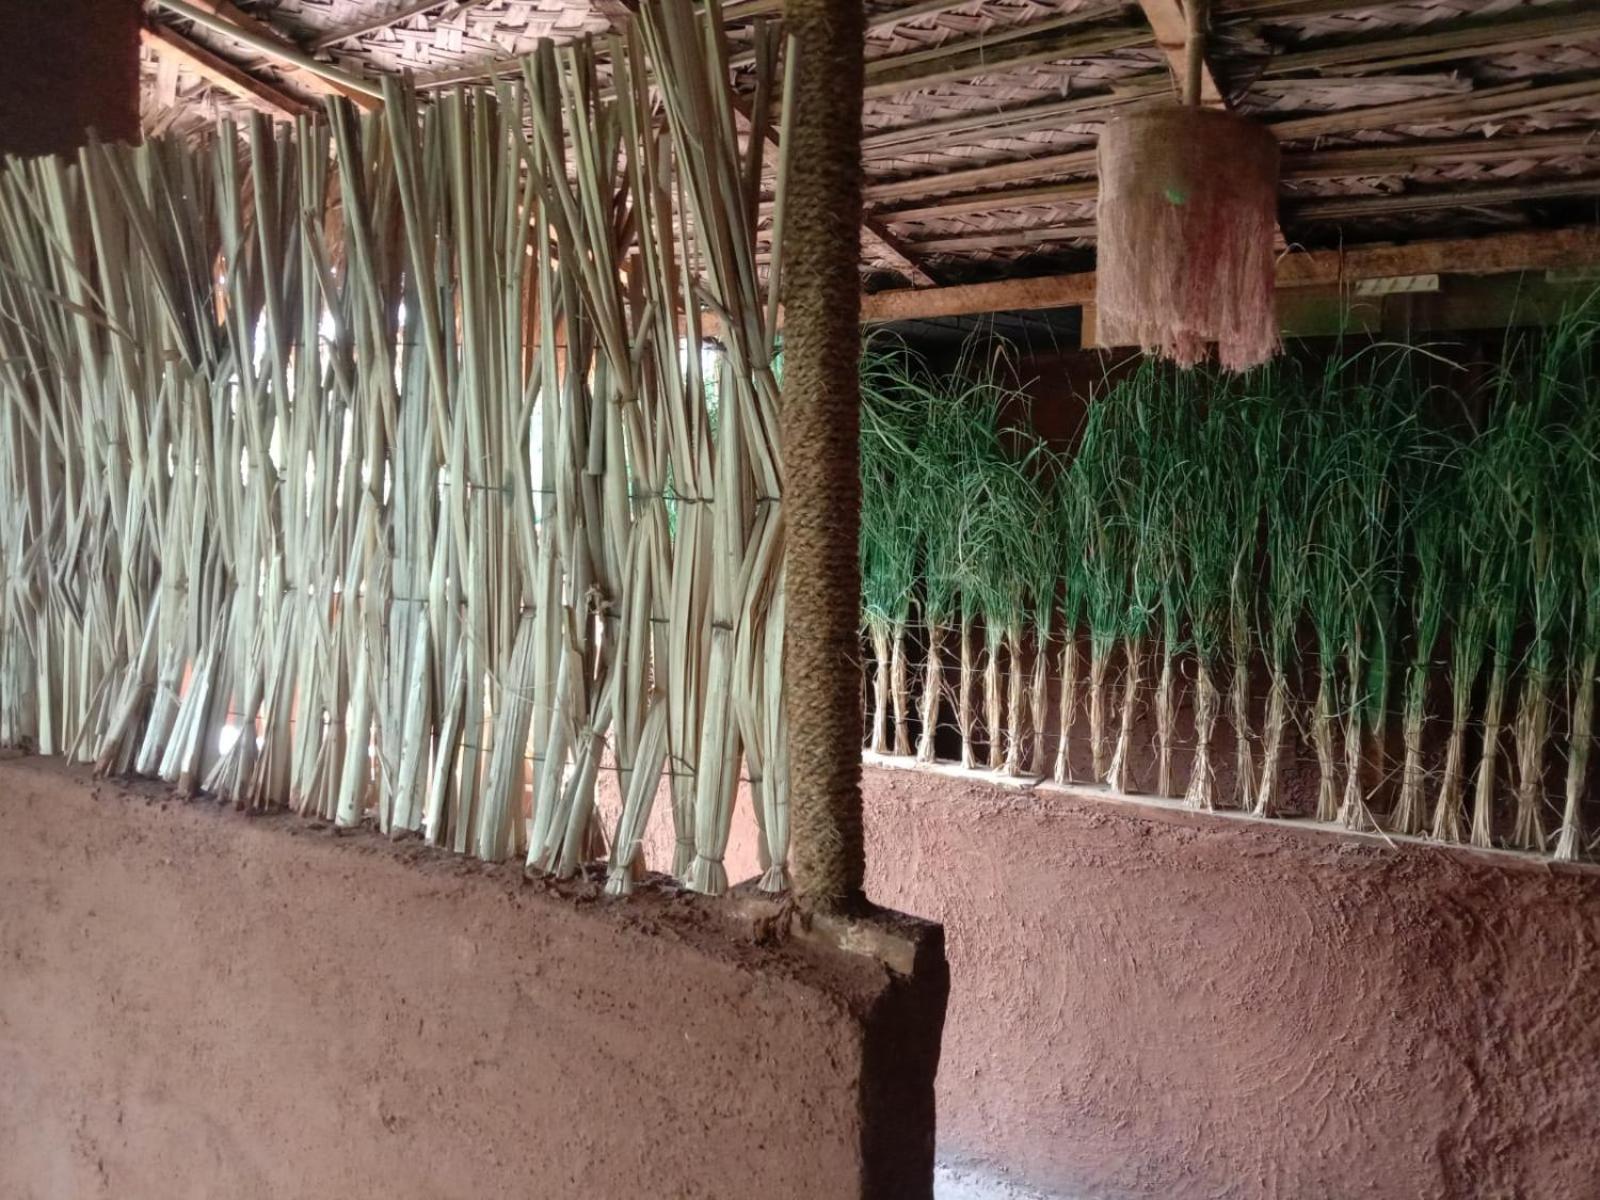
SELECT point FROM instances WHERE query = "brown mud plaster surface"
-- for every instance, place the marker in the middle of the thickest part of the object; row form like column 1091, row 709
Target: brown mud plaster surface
column 67, row 67
column 1192, row 1007
column 198, row 1004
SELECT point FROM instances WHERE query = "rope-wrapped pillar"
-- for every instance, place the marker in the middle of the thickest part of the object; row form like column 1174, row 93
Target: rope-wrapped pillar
column 821, row 423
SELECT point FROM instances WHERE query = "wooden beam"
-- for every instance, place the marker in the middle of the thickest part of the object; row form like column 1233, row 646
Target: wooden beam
column 225, row 10
column 196, row 58
column 1007, row 239
column 1532, row 250
column 1404, row 158
column 272, row 44
column 1169, row 21
column 875, row 233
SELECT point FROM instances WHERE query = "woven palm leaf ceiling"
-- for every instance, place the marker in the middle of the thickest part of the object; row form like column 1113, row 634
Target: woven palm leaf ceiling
column 1397, row 120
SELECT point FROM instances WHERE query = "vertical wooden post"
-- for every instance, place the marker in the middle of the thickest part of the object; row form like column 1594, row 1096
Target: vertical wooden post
column 821, row 423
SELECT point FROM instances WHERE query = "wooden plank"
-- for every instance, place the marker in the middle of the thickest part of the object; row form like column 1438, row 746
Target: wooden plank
column 1501, row 253
column 1169, row 21
column 192, row 57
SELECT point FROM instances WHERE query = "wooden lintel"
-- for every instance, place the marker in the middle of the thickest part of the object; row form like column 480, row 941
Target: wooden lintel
column 1497, row 254
column 1169, row 21
column 235, row 80
column 1528, row 250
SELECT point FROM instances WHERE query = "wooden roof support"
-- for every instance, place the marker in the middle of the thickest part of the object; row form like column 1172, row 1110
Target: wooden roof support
column 1169, row 20
column 1533, row 250
column 266, row 40
column 235, row 80
column 225, row 10
column 875, row 234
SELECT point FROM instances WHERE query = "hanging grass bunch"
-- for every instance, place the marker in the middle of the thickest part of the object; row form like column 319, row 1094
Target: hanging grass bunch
column 928, row 439
column 1188, row 205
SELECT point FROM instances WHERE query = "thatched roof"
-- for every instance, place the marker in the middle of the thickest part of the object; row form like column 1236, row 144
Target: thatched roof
column 1429, row 117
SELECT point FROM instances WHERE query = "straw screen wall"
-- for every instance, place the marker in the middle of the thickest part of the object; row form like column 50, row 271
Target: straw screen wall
column 376, row 466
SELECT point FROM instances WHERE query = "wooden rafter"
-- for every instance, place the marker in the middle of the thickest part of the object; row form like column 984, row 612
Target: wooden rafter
column 225, row 10
column 235, row 80
column 268, row 41
column 1169, row 21
column 875, row 233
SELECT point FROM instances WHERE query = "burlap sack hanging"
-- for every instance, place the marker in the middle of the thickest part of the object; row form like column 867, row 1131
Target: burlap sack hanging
column 1188, row 206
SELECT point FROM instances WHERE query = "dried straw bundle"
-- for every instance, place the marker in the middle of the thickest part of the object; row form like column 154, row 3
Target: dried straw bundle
column 1188, row 204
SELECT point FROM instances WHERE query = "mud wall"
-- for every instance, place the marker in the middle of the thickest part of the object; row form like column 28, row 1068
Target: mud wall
column 69, row 66
column 193, row 1003
column 1152, row 1003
